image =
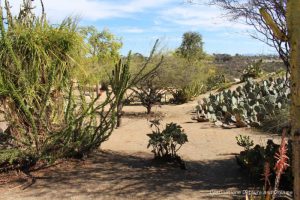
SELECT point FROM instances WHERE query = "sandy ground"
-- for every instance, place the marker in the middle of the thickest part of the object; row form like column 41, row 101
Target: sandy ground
column 123, row 169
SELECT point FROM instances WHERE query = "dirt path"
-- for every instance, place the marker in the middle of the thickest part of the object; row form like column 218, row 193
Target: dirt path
column 124, row 170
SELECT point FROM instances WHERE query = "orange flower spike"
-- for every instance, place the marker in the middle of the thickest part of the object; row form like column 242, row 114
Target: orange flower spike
column 281, row 156
column 266, row 175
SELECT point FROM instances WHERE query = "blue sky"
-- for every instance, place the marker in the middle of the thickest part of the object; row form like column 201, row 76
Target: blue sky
column 140, row 22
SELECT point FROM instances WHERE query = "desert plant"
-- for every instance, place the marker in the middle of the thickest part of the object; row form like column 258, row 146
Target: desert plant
column 41, row 72
column 252, row 71
column 187, row 93
column 179, row 97
column 278, row 122
column 269, row 161
column 122, row 72
column 244, row 141
column 274, row 169
column 250, row 104
column 194, row 89
column 46, row 118
column 215, row 81
column 120, row 80
column 281, row 165
column 148, row 93
column 166, row 143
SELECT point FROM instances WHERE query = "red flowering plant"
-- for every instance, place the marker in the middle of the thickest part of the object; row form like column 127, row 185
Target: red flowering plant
column 282, row 162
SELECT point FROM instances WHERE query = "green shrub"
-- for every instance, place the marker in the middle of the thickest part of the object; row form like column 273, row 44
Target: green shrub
column 187, row 93
column 193, row 90
column 179, row 97
column 167, row 142
column 215, row 82
column 253, row 160
column 252, row 71
column 244, row 141
column 278, row 122
column 11, row 159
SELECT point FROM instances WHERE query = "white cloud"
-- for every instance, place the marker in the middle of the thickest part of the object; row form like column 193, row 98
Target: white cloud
column 131, row 30
column 199, row 16
column 93, row 9
column 162, row 29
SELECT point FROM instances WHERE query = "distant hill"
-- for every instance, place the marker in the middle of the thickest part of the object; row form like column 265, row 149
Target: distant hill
column 233, row 66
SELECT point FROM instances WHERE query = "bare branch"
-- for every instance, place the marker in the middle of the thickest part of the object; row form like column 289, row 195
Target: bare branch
column 248, row 10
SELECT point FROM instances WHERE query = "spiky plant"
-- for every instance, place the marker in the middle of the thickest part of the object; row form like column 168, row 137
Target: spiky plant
column 281, row 163
column 122, row 78
column 46, row 109
column 36, row 65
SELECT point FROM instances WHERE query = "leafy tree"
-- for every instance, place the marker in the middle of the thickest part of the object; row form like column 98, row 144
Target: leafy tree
column 177, row 72
column 102, row 52
column 191, row 47
column 103, row 45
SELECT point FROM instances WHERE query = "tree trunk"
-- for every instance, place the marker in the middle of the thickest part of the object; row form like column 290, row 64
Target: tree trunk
column 97, row 90
column 293, row 19
column 149, row 109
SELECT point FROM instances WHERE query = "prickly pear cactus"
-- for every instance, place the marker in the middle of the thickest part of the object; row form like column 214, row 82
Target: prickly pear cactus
column 248, row 105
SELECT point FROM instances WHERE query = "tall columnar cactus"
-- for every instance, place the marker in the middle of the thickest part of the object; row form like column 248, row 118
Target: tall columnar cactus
column 121, row 79
column 119, row 82
column 293, row 22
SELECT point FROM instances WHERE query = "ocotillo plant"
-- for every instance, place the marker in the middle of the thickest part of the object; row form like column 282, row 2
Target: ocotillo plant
column 46, row 116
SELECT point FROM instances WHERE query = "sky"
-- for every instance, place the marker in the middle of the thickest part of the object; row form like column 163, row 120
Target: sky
column 140, row 22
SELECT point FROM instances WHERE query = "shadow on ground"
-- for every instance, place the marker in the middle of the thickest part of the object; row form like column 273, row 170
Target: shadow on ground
column 114, row 175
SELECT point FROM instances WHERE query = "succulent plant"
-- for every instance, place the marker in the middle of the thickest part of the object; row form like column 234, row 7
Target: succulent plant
column 249, row 104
